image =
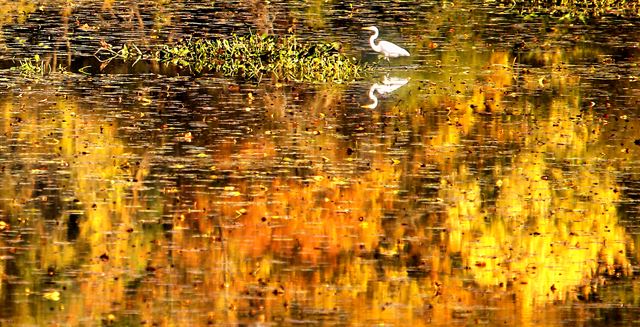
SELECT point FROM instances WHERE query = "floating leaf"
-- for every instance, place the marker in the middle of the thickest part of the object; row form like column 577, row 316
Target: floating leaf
column 52, row 296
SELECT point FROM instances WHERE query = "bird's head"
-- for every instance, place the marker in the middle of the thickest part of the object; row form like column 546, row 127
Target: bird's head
column 370, row 28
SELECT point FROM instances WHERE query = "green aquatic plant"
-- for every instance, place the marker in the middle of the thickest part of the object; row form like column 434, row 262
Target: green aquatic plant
column 258, row 56
column 35, row 67
column 31, row 67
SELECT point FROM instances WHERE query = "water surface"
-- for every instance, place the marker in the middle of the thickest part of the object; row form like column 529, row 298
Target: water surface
column 497, row 185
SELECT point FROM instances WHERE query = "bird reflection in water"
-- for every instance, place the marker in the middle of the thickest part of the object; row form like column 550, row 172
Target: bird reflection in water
column 389, row 84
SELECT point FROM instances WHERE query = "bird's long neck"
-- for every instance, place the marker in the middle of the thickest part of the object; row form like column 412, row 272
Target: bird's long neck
column 374, row 46
column 372, row 90
column 372, row 94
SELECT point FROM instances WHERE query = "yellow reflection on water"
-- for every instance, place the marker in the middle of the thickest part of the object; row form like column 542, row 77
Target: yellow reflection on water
column 286, row 225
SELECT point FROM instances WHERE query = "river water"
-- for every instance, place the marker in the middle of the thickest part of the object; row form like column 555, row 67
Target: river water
column 494, row 181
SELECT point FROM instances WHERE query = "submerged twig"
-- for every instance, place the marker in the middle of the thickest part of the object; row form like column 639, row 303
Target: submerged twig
column 125, row 53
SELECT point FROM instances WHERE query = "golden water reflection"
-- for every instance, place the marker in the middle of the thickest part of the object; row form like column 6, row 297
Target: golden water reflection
column 484, row 191
column 296, row 223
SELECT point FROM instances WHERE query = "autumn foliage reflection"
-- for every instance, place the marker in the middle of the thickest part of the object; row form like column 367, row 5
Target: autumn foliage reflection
column 473, row 203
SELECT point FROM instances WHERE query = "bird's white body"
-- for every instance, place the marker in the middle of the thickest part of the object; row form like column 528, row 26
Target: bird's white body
column 388, row 49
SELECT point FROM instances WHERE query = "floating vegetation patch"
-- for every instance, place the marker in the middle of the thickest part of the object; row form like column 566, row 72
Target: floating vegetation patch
column 576, row 9
column 251, row 57
column 259, row 56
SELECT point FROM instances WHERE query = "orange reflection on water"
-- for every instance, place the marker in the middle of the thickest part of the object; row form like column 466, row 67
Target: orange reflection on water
column 286, row 225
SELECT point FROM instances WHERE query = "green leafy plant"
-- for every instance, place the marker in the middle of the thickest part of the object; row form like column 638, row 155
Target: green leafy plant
column 36, row 67
column 31, row 67
column 258, row 56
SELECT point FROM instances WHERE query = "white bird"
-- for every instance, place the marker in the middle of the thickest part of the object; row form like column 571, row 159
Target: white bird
column 388, row 49
column 388, row 85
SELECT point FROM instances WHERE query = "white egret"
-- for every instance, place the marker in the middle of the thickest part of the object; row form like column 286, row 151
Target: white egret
column 388, row 85
column 388, row 49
